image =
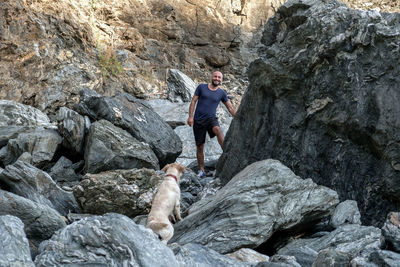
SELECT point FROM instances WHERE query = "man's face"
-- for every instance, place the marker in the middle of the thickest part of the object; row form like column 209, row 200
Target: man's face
column 216, row 78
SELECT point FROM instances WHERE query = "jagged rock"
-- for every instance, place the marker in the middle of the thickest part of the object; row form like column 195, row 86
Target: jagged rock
column 137, row 118
column 304, row 255
column 10, row 132
column 175, row 114
column 323, row 99
column 193, row 254
column 248, row 256
column 341, row 245
column 128, row 192
column 72, row 127
column 41, row 143
column 40, row 220
column 109, row 240
column 377, row 259
column 66, row 171
column 109, row 147
column 180, row 87
column 16, row 114
column 190, row 188
column 27, row 181
column 14, row 247
column 283, row 260
column 264, row 198
column 391, row 231
column 346, row 212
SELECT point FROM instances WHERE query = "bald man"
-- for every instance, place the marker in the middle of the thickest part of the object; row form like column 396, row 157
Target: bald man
column 204, row 119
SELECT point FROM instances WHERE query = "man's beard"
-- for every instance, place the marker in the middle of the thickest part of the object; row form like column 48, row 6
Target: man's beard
column 215, row 83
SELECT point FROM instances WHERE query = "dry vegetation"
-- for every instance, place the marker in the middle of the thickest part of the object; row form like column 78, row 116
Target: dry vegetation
column 380, row 5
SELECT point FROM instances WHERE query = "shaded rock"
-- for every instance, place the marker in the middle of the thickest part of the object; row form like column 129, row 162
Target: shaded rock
column 385, row 258
column 14, row 247
column 72, row 127
column 180, row 87
column 391, row 231
column 264, row 198
column 27, row 181
column 109, row 148
column 11, row 132
column 323, row 100
column 304, row 255
column 284, row 260
column 128, row 192
column 16, row 114
column 197, row 255
column 109, row 240
column 345, row 212
column 248, row 256
column 137, row 118
column 66, row 171
column 40, row 220
column 41, row 143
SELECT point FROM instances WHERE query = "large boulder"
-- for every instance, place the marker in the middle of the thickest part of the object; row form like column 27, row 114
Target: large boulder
column 137, row 118
column 264, row 198
column 323, row 99
column 14, row 247
column 109, row 240
column 109, row 147
column 17, row 114
column 128, row 192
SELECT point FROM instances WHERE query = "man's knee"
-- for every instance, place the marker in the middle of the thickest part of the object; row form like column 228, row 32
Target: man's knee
column 217, row 130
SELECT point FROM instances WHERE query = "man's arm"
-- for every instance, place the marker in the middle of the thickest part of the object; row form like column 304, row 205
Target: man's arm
column 190, row 120
column 230, row 108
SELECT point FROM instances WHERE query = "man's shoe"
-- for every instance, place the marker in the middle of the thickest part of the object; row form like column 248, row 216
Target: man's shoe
column 201, row 174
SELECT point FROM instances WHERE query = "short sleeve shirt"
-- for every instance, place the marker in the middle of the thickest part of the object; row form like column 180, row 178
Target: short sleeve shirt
column 208, row 101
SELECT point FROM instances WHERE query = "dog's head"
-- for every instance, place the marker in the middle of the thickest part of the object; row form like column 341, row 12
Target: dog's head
column 175, row 169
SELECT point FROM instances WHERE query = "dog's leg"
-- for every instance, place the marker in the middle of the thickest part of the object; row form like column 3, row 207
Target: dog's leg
column 177, row 210
column 171, row 218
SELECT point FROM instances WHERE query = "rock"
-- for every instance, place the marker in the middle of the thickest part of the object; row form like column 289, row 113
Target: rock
column 109, row 240
column 32, row 183
column 193, row 254
column 14, row 247
column 391, row 231
column 264, row 198
column 284, row 260
column 40, row 221
column 322, row 100
column 304, row 255
column 248, row 256
column 16, row 114
column 175, row 114
column 180, row 87
column 137, row 118
column 66, row 171
column 128, row 192
column 109, row 148
column 41, row 143
column 345, row 212
column 72, row 127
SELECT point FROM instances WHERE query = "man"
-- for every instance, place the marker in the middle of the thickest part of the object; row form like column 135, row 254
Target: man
column 207, row 97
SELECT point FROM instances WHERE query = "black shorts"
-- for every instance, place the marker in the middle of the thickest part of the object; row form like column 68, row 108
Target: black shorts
column 200, row 127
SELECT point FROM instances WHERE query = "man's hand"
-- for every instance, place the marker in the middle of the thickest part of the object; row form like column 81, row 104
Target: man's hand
column 190, row 121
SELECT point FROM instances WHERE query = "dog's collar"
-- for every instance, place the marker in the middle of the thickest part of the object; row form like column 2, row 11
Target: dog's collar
column 173, row 176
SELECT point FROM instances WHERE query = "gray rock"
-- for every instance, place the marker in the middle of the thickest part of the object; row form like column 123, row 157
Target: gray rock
column 14, row 247
column 32, row 183
column 304, row 255
column 72, row 127
column 10, row 132
column 195, row 255
column 16, row 114
column 41, row 143
column 40, row 220
column 175, row 114
column 391, row 231
column 109, row 148
column 285, row 260
column 385, row 258
column 136, row 117
column 66, row 171
column 180, row 86
column 110, row 240
column 346, row 212
column 248, row 256
column 128, row 192
column 264, row 198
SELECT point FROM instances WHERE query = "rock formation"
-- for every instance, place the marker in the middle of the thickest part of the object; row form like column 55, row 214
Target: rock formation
column 323, row 99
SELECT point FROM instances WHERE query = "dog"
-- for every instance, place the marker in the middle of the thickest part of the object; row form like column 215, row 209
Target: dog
column 166, row 203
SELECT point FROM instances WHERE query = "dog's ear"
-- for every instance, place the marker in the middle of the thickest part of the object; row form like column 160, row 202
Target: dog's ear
column 165, row 168
column 181, row 168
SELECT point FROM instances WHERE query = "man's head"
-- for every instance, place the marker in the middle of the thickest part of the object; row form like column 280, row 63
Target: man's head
column 216, row 78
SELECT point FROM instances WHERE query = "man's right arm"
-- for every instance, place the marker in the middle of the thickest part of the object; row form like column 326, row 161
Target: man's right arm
column 192, row 105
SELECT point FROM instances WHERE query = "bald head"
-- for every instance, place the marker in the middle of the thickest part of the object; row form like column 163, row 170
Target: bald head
column 216, row 78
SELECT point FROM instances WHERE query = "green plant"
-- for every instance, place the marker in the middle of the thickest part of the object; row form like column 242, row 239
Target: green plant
column 109, row 63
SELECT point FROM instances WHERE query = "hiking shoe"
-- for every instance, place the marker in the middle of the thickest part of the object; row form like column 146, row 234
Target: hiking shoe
column 201, row 174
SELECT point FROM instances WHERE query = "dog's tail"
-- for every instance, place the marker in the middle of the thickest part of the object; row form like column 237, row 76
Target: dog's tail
column 164, row 230
column 156, row 226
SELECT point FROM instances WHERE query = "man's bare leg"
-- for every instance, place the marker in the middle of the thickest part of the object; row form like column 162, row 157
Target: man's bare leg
column 200, row 156
column 220, row 135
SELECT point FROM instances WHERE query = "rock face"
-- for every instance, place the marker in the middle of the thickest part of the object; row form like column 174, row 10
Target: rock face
column 323, row 99
column 264, row 198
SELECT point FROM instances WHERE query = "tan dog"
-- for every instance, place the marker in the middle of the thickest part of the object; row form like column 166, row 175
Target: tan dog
column 166, row 203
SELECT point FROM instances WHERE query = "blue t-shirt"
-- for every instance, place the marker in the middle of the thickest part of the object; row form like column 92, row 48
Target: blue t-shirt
column 208, row 101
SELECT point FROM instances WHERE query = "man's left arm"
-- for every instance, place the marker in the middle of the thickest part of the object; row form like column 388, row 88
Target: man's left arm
column 230, row 108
